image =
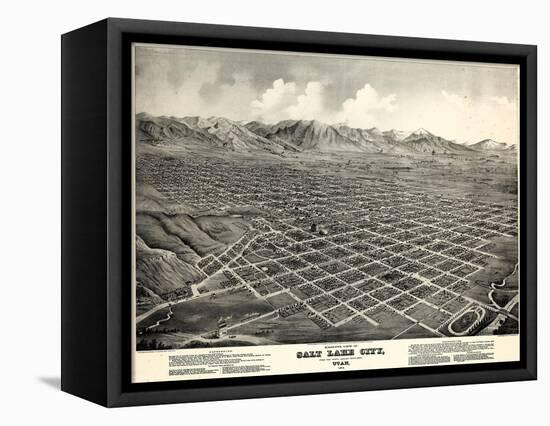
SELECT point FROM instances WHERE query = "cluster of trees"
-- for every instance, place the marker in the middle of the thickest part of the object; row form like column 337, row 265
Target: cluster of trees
column 151, row 345
column 156, row 330
column 508, row 326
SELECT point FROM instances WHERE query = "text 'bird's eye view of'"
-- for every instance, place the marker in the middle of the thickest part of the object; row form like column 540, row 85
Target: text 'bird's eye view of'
column 286, row 198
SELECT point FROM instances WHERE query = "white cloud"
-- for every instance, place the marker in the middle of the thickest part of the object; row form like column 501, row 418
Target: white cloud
column 362, row 111
column 310, row 104
column 283, row 101
column 274, row 101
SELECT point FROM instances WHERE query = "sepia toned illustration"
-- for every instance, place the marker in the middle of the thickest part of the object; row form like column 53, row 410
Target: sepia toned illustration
column 285, row 198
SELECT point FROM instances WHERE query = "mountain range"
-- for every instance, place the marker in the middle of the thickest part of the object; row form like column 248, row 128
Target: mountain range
column 298, row 136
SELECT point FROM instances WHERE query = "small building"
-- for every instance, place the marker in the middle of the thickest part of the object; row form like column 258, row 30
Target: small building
column 222, row 328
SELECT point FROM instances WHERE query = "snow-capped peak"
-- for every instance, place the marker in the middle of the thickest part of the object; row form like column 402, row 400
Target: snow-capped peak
column 397, row 135
column 421, row 132
column 490, row 144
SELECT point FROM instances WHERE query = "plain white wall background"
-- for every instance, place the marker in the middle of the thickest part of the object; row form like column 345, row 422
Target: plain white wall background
column 30, row 213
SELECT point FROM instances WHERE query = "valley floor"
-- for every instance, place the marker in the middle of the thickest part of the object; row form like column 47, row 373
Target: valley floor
column 338, row 247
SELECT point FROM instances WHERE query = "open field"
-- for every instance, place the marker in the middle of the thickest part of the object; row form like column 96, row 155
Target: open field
column 201, row 315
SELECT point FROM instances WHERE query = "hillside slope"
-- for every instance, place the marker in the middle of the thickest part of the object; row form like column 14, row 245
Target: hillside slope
column 423, row 141
column 312, row 135
column 159, row 272
column 214, row 132
column 170, row 243
column 490, row 145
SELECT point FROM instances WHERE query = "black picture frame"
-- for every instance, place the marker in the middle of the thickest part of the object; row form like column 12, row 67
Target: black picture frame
column 96, row 204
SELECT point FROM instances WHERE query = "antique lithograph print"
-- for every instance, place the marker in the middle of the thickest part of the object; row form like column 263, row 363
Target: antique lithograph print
column 298, row 212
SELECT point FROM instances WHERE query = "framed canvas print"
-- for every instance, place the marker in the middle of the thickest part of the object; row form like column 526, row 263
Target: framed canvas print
column 257, row 212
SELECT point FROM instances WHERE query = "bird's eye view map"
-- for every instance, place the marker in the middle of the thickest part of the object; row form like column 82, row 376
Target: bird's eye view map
column 284, row 198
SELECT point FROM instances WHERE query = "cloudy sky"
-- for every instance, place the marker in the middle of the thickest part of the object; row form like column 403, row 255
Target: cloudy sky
column 460, row 101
